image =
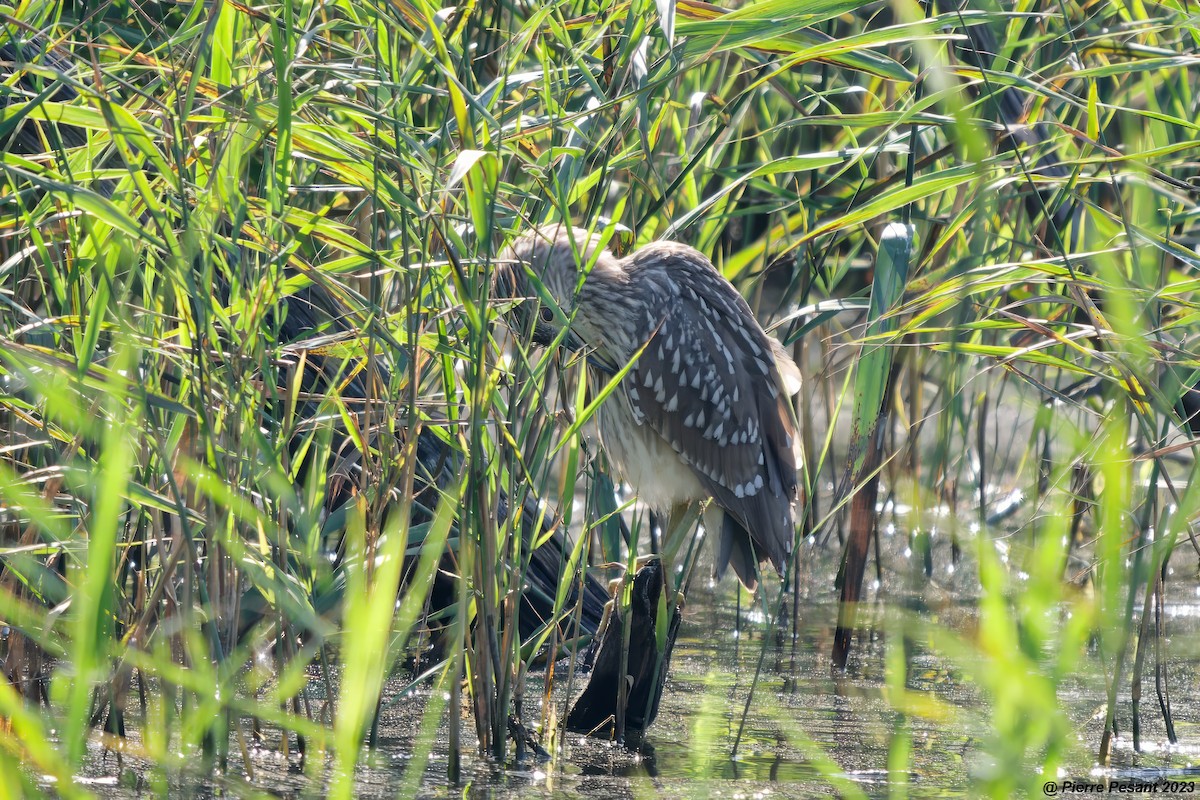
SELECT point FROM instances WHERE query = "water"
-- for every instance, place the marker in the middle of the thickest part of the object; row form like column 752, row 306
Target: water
column 806, row 732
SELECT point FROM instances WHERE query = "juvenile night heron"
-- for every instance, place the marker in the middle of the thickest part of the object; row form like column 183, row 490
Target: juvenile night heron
column 705, row 410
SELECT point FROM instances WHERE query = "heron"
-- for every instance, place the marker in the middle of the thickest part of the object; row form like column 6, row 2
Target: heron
column 703, row 412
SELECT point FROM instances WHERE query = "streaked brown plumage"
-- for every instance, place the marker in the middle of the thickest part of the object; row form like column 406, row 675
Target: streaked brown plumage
column 705, row 410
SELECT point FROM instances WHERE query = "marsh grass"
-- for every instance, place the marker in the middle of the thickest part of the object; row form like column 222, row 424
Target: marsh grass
column 245, row 266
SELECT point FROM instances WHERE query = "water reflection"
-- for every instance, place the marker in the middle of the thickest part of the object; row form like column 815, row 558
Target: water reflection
column 804, row 732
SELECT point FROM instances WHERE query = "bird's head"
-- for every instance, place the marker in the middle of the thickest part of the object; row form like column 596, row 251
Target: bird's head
column 541, row 268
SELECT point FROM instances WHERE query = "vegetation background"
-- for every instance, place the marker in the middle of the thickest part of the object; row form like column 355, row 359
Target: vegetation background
column 254, row 389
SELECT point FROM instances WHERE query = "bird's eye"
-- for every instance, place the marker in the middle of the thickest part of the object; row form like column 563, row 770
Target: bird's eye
column 547, row 314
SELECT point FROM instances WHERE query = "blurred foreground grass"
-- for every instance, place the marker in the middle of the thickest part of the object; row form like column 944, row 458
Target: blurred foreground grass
column 187, row 477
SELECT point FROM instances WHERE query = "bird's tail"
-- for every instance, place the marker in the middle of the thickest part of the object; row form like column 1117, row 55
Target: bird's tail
column 734, row 549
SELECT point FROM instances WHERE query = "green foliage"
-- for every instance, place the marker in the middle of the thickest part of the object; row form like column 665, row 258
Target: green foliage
column 172, row 174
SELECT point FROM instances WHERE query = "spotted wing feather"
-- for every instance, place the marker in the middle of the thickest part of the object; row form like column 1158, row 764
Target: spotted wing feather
column 708, row 383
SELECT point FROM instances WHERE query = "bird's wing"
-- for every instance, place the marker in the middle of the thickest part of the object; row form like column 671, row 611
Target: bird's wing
column 707, row 381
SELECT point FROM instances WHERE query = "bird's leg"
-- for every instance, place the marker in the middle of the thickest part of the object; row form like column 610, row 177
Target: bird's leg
column 655, row 525
column 614, row 597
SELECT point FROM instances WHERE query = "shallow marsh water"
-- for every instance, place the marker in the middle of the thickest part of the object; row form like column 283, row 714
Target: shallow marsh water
column 804, row 730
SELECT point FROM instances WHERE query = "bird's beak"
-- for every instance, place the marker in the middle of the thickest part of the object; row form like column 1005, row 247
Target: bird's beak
column 572, row 341
column 595, row 362
column 580, row 352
